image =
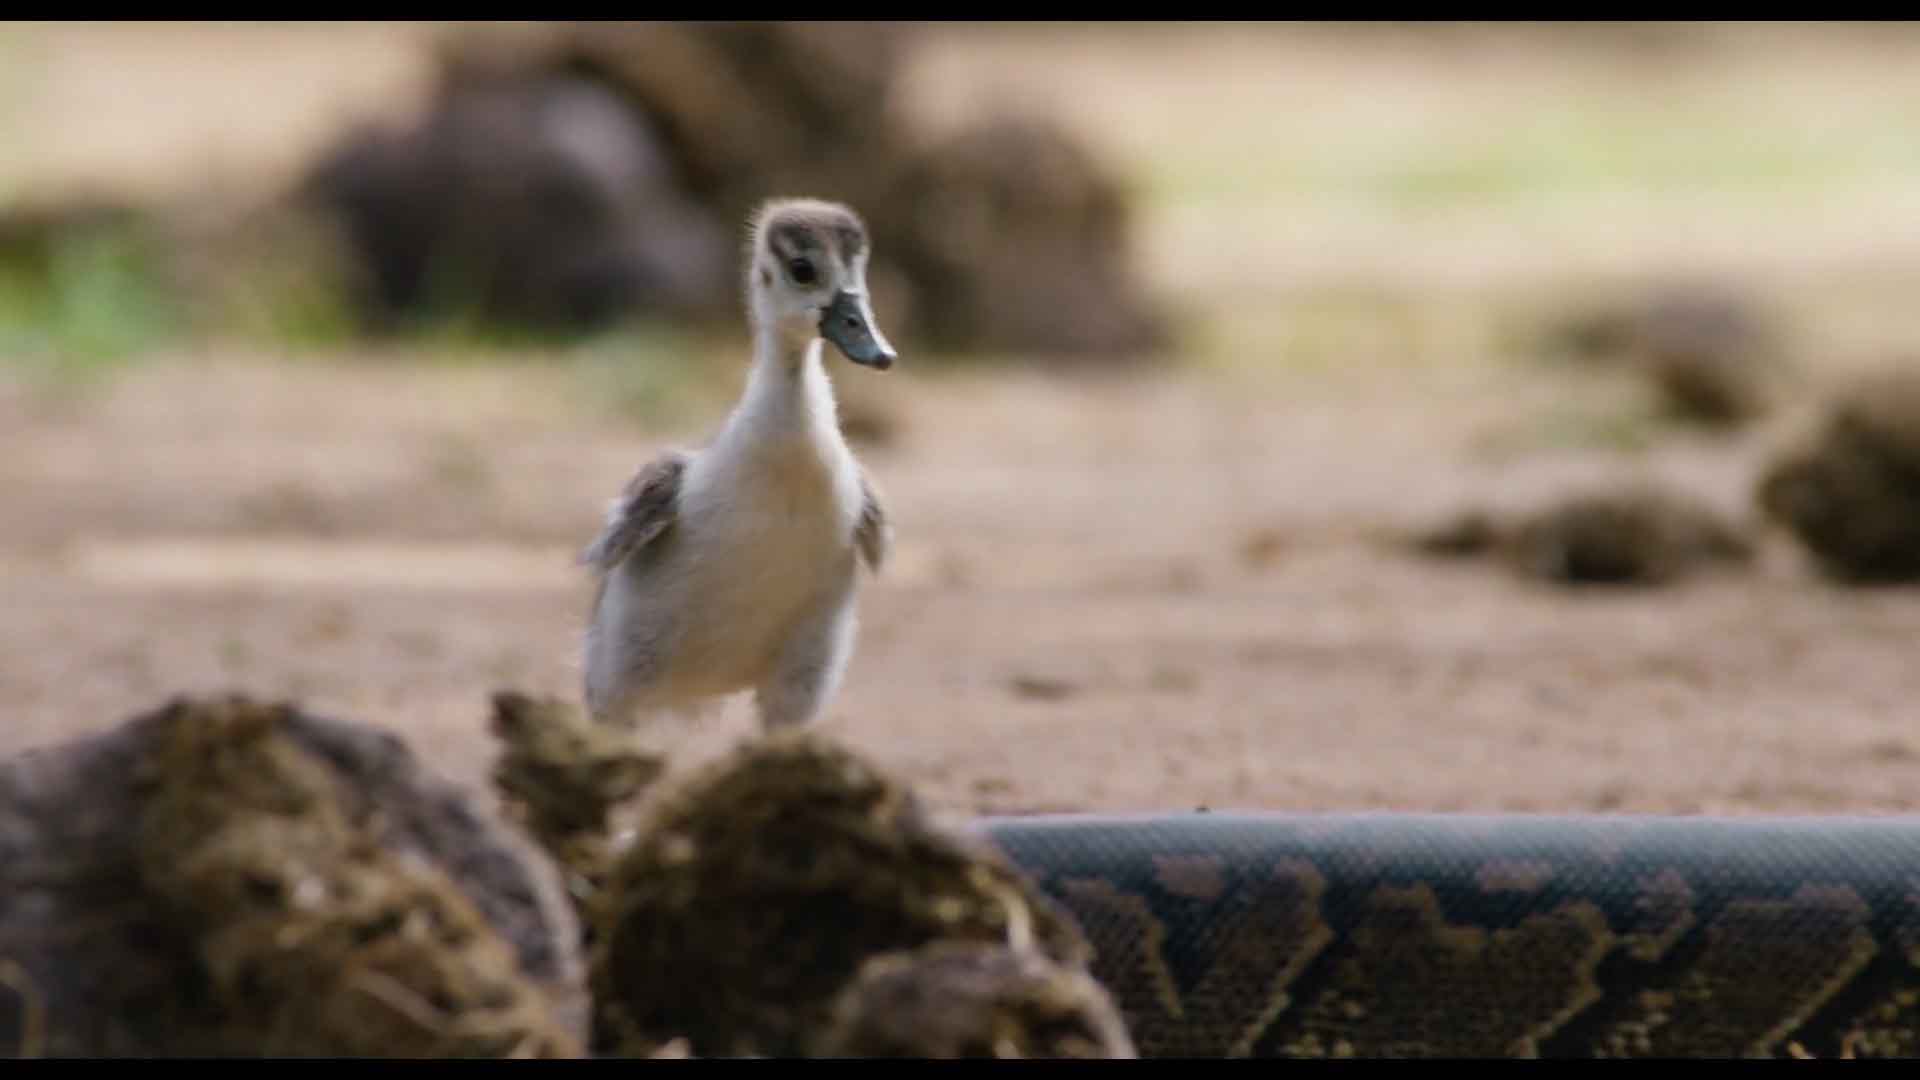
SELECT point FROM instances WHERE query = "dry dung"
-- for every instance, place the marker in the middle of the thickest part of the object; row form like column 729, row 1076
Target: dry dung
column 758, row 886
column 1711, row 354
column 1595, row 336
column 563, row 777
column 1470, row 532
column 1852, row 494
column 541, row 201
column 1013, row 238
column 314, row 940
column 227, row 878
column 739, row 105
column 569, row 174
column 1631, row 535
column 973, row 1000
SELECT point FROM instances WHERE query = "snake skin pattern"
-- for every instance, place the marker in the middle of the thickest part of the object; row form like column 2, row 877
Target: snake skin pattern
column 1402, row 935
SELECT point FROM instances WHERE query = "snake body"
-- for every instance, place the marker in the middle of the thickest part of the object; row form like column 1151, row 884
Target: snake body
column 1405, row 935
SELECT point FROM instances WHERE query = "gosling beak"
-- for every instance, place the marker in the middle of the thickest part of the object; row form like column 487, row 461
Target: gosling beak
column 848, row 323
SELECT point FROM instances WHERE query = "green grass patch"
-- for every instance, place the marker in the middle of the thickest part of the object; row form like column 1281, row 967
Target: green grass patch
column 1525, row 154
column 81, row 299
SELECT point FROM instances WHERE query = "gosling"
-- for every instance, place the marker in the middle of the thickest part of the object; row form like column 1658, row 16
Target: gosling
column 734, row 567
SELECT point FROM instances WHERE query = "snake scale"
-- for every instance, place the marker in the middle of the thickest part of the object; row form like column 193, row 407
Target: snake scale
column 1218, row 935
column 1409, row 935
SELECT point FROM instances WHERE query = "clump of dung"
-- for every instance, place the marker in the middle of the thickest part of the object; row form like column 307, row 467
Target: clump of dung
column 564, row 777
column 567, row 176
column 1470, row 532
column 310, row 937
column 536, row 198
column 759, row 886
column 1634, row 535
column 973, row 1000
column 1012, row 236
column 1710, row 354
column 1852, row 494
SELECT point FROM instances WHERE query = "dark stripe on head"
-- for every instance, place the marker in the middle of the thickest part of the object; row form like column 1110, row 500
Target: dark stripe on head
column 791, row 238
column 790, row 229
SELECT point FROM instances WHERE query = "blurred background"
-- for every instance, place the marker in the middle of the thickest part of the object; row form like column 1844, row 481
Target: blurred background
column 1291, row 416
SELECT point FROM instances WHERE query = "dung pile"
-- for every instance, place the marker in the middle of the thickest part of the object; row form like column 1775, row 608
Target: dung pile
column 223, row 877
column 1012, row 238
column 1468, row 533
column 1852, row 494
column 760, row 886
column 973, row 1000
column 537, row 200
column 571, row 173
column 313, row 939
column 1629, row 535
column 1710, row 354
column 564, row 778
column 227, row 878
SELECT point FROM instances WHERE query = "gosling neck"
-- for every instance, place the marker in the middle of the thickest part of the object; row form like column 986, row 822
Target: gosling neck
column 788, row 393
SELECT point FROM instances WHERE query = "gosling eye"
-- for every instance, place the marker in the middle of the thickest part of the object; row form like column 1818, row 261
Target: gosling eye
column 802, row 272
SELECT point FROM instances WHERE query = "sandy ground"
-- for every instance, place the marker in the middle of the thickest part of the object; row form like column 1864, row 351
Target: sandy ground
column 1160, row 593
column 1154, row 593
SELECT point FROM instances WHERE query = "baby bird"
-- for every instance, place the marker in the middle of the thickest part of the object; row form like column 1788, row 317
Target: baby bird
column 734, row 567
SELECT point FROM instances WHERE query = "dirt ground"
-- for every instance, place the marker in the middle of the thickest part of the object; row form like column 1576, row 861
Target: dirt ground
column 1153, row 593
column 1160, row 593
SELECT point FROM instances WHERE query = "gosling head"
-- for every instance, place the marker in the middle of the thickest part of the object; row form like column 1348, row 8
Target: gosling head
column 807, row 278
